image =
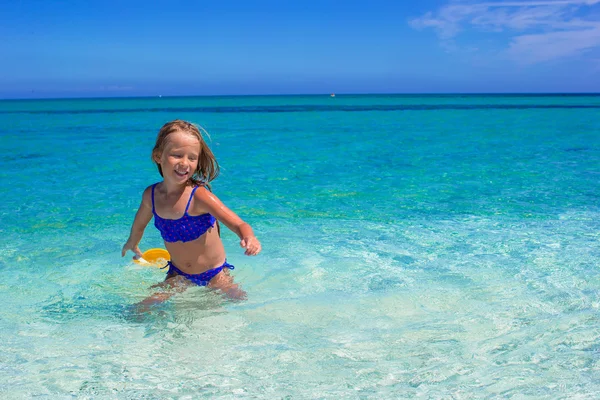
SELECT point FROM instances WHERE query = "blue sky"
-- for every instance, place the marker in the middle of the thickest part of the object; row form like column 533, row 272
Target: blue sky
column 146, row 48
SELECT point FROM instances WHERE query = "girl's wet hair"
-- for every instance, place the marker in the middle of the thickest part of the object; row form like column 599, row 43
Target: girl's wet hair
column 208, row 167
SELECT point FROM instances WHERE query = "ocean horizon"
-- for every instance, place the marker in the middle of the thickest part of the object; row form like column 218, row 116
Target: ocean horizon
column 365, row 94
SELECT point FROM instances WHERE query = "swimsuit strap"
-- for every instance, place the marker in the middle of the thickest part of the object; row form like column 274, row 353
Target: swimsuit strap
column 190, row 200
column 153, row 186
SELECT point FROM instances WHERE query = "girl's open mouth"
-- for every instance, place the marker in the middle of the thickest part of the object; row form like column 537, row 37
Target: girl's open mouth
column 182, row 174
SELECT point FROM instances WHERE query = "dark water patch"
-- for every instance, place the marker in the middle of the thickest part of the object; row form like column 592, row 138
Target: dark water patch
column 309, row 108
column 382, row 283
column 405, row 260
column 61, row 308
column 15, row 157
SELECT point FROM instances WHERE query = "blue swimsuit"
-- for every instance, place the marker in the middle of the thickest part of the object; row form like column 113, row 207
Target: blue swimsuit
column 199, row 279
column 186, row 229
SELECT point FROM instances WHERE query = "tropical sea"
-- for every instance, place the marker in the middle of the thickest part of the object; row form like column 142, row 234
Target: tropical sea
column 437, row 246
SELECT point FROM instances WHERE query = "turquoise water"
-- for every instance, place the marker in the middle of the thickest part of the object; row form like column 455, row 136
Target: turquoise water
column 413, row 246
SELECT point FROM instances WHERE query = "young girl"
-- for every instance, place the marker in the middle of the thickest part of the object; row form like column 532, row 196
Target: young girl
column 186, row 213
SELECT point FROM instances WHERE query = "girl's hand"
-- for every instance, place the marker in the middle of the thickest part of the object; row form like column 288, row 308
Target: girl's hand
column 251, row 244
column 132, row 247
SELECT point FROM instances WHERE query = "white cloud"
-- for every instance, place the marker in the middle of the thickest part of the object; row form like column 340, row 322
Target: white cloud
column 553, row 45
column 540, row 30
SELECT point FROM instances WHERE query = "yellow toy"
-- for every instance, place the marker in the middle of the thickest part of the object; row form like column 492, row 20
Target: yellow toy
column 153, row 257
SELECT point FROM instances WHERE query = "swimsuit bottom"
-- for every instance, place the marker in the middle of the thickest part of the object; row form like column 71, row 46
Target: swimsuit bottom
column 199, row 279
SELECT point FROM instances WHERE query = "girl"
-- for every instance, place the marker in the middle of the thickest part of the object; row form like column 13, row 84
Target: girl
column 186, row 213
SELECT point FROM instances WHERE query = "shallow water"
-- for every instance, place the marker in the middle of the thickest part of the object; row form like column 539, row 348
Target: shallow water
column 432, row 246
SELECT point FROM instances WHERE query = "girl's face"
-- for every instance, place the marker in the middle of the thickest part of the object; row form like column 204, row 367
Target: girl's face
column 179, row 158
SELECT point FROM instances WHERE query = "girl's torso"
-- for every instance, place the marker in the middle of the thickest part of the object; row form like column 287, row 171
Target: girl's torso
column 191, row 236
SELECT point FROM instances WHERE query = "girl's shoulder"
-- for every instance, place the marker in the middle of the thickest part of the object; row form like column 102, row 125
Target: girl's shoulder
column 150, row 189
column 147, row 195
column 203, row 195
column 202, row 192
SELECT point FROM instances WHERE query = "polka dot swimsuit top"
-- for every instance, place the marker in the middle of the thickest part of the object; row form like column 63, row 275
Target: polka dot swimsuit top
column 184, row 229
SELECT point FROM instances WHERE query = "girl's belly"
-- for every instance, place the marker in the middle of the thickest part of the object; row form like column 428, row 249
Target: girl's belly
column 199, row 255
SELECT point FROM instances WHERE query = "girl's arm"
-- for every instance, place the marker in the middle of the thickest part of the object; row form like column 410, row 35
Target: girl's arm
column 211, row 204
column 142, row 217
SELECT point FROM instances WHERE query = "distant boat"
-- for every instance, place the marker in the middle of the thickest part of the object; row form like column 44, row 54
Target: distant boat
column 332, row 94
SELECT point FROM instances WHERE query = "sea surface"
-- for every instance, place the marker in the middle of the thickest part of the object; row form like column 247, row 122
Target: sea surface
column 413, row 246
